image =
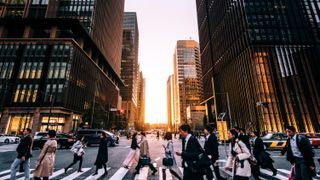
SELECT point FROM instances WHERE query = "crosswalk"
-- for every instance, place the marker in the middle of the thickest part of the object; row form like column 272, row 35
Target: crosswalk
column 145, row 173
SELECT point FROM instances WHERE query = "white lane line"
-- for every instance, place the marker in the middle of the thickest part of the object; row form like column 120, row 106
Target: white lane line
column 5, row 172
column 270, row 174
column 157, row 159
column 160, row 173
column 8, row 176
column 284, row 171
column 55, row 174
column 76, row 174
column 119, row 174
column 100, row 173
column 143, row 174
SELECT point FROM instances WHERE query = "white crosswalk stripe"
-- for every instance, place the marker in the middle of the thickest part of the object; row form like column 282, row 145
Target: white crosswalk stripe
column 119, row 174
column 8, row 176
column 100, row 173
column 4, row 172
column 143, row 175
column 76, row 174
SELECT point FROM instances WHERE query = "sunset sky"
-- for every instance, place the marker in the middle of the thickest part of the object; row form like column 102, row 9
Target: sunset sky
column 161, row 23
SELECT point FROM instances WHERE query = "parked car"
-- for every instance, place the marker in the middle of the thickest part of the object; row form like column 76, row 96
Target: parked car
column 275, row 141
column 92, row 136
column 63, row 140
column 314, row 139
column 5, row 138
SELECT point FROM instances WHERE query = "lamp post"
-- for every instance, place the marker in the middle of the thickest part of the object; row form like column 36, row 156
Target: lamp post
column 51, row 106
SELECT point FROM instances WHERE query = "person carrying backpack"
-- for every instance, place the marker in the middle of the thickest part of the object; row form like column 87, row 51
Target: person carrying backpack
column 300, row 155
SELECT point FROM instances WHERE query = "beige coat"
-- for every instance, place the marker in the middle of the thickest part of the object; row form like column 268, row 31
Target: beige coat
column 243, row 153
column 45, row 167
column 144, row 148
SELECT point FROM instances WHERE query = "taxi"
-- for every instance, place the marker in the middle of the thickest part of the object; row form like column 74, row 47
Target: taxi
column 275, row 141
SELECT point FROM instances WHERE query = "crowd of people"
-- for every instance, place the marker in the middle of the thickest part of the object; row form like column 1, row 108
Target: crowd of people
column 246, row 155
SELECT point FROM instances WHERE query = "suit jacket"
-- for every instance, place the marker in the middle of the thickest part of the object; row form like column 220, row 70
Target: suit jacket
column 211, row 147
column 258, row 147
column 305, row 148
column 24, row 147
column 191, row 152
column 246, row 140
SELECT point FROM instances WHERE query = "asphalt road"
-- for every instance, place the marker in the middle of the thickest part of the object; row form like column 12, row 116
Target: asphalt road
column 116, row 157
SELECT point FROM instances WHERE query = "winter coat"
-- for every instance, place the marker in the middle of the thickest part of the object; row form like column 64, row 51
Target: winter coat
column 243, row 154
column 102, row 157
column 46, row 160
column 144, row 148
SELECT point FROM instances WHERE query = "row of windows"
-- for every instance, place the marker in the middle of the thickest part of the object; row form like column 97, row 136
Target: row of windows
column 26, row 93
column 35, row 50
column 57, row 70
column 6, row 69
column 31, row 70
column 38, row 2
column 54, row 93
column 8, row 50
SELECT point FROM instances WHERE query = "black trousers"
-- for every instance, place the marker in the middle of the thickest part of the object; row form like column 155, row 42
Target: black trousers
column 188, row 175
column 209, row 173
column 140, row 165
column 76, row 158
column 240, row 178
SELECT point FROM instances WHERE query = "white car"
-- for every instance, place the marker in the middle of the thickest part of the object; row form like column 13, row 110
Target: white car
column 4, row 138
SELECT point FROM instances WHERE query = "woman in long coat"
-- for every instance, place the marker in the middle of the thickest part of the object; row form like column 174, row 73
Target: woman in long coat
column 46, row 160
column 169, row 153
column 102, row 157
column 238, row 157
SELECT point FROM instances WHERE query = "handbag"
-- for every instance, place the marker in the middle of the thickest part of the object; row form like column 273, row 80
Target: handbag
column 252, row 160
column 168, row 161
column 291, row 175
column 144, row 160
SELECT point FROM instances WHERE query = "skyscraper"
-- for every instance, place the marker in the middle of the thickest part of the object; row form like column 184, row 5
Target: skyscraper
column 129, row 67
column 170, row 106
column 187, row 77
column 57, row 59
column 264, row 54
column 141, row 100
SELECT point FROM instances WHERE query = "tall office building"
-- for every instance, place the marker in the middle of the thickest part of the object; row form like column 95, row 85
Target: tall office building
column 187, row 77
column 129, row 67
column 141, row 100
column 56, row 58
column 264, row 54
column 170, row 110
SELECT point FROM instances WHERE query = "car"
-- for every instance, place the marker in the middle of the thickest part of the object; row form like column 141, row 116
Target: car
column 5, row 138
column 63, row 140
column 92, row 136
column 314, row 139
column 275, row 141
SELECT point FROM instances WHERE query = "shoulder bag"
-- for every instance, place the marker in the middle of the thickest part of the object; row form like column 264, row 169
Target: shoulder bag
column 168, row 161
column 252, row 160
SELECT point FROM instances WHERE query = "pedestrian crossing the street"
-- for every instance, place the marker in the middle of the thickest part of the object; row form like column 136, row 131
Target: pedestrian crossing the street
column 145, row 173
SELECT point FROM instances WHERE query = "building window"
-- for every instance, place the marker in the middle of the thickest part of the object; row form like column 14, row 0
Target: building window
column 54, row 91
column 18, row 123
column 26, row 93
column 53, row 123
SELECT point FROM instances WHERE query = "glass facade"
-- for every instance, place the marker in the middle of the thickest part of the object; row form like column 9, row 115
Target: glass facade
column 264, row 54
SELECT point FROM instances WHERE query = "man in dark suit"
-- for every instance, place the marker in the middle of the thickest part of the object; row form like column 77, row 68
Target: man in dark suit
column 261, row 156
column 243, row 137
column 190, row 152
column 300, row 154
column 211, row 148
column 24, row 154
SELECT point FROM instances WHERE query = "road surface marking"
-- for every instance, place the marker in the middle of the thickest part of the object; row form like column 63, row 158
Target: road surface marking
column 270, row 174
column 76, row 174
column 100, row 173
column 143, row 174
column 157, row 159
column 5, row 172
column 17, row 174
column 119, row 174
